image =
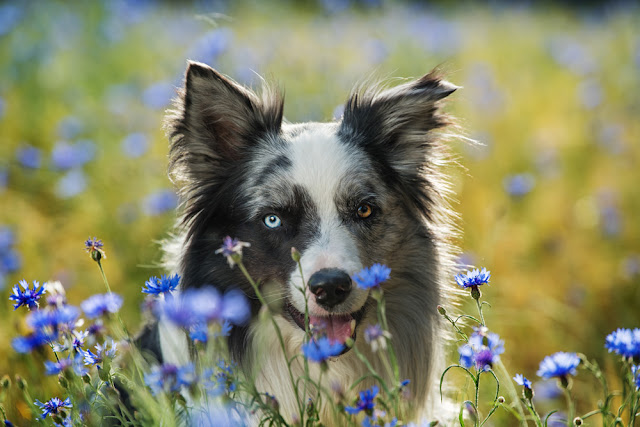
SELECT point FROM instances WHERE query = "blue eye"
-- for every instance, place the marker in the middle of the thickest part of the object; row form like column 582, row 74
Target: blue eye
column 272, row 221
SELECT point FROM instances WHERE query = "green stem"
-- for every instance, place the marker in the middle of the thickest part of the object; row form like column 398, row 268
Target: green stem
column 570, row 406
column 104, row 276
column 511, row 390
column 482, row 322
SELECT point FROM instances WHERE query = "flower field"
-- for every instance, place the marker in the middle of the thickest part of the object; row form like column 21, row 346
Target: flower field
column 547, row 197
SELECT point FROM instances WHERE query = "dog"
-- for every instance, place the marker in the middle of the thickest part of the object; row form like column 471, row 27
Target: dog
column 368, row 188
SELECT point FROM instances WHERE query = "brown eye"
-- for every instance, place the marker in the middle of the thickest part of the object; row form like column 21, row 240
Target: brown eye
column 364, row 210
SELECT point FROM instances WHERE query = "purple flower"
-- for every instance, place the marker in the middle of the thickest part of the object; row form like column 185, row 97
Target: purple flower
column 625, row 342
column 559, row 365
column 53, row 406
column 321, row 349
column 521, row 380
column 163, row 285
column 99, row 305
column 54, row 368
column 376, row 337
column 372, row 277
column 170, row 378
column 231, row 248
column 365, row 402
column 95, row 248
column 29, row 297
column 483, row 350
column 473, row 278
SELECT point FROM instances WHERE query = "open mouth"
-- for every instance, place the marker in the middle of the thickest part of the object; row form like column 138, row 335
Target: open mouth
column 337, row 327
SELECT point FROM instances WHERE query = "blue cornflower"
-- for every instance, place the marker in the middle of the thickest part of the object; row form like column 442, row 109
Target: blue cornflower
column 372, row 277
column 635, row 371
column 559, row 365
column 95, row 248
column 169, row 378
column 163, row 285
column 53, row 368
column 225, row 329
column 625, row 342
column 29, row 157
column 483, row 350
column 220, row 380
column 365, row 402
column 199, row 332
column 232, row 248
column 29, row 297
column 30, row 342
column 321, row 349
column 101, row 353
column 101, row 304
column 473, row 278
column 235, row 307
column 61, row 318
column 521, row 380
column 53, row 406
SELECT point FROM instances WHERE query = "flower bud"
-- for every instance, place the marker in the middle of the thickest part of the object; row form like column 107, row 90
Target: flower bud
column 528, row 393
column 103, row 374
column 86, row 378
column 96, row 255
column 442, row 310
column 63, row 381
column 577, row 421
column 475, row 293
column 5, row 382
column 295, row 255
column 349, row 342
column 501, row 399
column 22, row 384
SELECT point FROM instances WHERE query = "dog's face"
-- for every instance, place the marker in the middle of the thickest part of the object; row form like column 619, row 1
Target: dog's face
column 345, row 194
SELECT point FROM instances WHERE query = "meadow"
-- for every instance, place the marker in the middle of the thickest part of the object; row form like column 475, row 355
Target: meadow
column 548, row 198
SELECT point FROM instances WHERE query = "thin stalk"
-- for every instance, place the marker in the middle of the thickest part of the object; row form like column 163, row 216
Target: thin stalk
column 511, row 390
column 570, row 406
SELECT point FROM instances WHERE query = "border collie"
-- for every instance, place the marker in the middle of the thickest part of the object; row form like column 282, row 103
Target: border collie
column 369, row 188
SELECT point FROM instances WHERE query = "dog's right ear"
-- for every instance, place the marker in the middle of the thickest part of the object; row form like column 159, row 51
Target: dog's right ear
column 215, row 120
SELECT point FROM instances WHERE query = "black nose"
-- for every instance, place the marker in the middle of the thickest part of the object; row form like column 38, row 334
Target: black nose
column 331, row 286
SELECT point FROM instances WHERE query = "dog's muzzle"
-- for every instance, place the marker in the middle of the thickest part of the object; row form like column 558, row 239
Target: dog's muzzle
column 331, row 286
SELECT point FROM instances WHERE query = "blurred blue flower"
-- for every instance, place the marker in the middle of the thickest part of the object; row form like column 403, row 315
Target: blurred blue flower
column 214, row 43
column 338, row 112
column 473, row 278
column 376, row 337
column 170, row 378
column 568, row 52
column 54, row 406
column 235, row 307
column 102, row 352
column 65, row 156
column 219, row 380
column 610, row 218
column 30, row 342
column 199, row 332
column 230, row 247
column 547, row 390
column 335, row 6
column 163, row 285
column 54, row 368
column 10, row 16
column 365, row 403
column 130, row 11
column 101, row 304
column 372, row 277
column 321, row 349
column 635, row 372
column 61, row 318
column 135, row 145
column 518, row 185
column 71, row 184
column 434, row 32
column 559, row 365
column 4, row 178
column 29, row 297
column 160, row 202
column 7, row 238
column 29, row 157
column 521, row 380
column 625, row 342
column 590, row 94
column 70, row 127
column 158, row 95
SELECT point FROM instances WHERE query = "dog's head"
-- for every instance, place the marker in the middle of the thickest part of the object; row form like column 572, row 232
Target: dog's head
column 346, row 194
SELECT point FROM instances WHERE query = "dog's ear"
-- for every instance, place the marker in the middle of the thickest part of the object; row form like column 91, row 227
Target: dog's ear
column 215, row 120
column 397, row 116
column 395, row 127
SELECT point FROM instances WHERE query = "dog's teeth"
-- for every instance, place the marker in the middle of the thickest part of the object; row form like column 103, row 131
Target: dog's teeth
column 353, row 325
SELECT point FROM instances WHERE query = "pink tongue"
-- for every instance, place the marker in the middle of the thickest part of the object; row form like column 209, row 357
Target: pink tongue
column 336, row 328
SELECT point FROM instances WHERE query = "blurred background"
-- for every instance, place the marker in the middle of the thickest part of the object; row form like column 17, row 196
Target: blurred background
column 549, row 202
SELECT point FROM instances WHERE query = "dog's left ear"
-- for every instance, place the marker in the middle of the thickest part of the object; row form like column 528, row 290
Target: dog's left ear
column 399, row 118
